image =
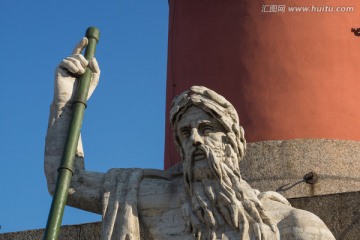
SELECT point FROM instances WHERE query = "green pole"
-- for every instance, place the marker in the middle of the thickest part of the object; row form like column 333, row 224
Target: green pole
column 65, row 171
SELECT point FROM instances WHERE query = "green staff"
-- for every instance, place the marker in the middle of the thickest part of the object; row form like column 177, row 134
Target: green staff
column 65, row 171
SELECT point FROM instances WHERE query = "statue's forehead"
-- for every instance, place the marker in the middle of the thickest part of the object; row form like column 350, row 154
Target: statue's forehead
column 194, row 115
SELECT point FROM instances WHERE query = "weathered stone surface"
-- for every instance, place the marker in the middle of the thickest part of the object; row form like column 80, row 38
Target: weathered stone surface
column 89, row 231
column 340, row 212
column 281, row 165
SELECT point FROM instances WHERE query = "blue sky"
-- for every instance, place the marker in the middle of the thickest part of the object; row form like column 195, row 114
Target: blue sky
column 124, row 121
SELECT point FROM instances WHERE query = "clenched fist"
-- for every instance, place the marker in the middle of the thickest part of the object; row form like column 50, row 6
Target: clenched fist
column 69, row 70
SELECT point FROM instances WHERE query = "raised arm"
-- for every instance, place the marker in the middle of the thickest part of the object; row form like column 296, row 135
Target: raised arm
column 86, row 187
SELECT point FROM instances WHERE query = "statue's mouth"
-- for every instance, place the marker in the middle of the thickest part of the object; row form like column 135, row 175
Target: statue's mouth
column 198, row 154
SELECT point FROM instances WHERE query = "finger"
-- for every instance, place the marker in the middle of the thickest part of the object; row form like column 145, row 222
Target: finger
column 94, row 66
column 80, row 46
column 81, row 59
column 77, row 63
column 68, row 65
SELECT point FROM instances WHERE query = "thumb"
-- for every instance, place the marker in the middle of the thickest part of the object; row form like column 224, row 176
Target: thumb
column 94, row 67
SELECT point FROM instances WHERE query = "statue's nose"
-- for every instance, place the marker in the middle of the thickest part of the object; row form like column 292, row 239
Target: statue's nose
column 196, row 138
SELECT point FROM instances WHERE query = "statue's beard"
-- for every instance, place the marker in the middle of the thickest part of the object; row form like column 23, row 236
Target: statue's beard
column 219, row 196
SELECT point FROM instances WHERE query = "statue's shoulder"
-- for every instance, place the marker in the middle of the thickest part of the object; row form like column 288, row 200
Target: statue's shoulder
column 301, row 224
column 293, row 223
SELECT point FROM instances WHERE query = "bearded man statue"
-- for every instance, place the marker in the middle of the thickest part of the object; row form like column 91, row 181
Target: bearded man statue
column 211, row 143
column 208, row 199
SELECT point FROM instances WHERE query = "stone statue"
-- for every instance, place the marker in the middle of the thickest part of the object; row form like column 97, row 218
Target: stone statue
column 207, row 200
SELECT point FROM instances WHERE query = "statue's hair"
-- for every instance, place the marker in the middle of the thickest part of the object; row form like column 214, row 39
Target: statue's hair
column 215, row 105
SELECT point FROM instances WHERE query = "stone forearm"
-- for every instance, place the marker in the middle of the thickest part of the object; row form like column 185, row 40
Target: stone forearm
column 59, row 121
column 85, row 189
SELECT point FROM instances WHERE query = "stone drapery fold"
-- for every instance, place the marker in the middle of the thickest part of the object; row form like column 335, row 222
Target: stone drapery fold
column 120, row 205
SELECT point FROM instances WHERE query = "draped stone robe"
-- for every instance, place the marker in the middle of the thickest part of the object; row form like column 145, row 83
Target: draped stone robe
column 150, row 204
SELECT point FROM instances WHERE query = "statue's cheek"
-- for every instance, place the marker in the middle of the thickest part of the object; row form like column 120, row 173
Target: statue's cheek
column 216, row 139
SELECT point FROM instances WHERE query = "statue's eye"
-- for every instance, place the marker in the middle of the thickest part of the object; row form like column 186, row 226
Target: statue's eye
column 206, row 129
column 185, row 132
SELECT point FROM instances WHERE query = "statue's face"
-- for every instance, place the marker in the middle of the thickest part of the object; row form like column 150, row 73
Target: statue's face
column 195, row 128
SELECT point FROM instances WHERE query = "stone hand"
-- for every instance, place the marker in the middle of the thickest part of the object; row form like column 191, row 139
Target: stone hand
column 69, row 70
